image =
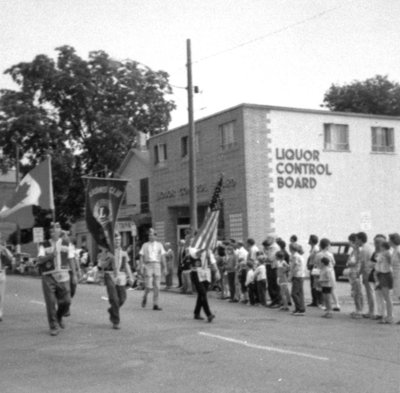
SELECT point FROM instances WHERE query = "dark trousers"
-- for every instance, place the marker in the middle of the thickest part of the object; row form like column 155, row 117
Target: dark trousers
column 57, row 297
column 179, row 274
column 73, row 285
column 201, row 289
column 231, row 283
column 261, row 291
column 252, row 289
column 116, row 297
column 315, row 295
column 273, row 287
column 298, row 294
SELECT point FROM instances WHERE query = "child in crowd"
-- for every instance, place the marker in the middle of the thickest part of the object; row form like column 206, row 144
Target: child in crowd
column 297, row 274
column 354, row 276
column 242, row 281
column 327, row 281
column 250, row 283
column 283, row 282
column 383, row 276
column 260, row 277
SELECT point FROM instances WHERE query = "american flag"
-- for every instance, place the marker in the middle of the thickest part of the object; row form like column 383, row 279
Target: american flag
column 206, row 237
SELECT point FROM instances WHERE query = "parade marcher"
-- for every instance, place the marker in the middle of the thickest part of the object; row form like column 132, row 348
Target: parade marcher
column 5, row 257
column 54, row 264
column 202, row 261
column 117, row 273
column 270, row 250
column 152, row 262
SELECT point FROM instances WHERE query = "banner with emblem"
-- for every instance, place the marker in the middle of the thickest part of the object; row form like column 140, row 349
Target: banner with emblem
column 103, row 200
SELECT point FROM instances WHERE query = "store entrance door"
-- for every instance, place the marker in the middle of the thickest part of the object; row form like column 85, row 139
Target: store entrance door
column 182, row 230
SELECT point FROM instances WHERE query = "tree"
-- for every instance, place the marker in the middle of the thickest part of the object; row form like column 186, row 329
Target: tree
column 85, row 113
column 377, row 95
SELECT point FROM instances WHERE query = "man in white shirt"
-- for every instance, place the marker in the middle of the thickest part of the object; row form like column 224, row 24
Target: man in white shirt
column 152, row 258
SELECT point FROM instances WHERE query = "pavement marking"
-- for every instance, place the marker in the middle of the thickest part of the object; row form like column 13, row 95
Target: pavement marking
column 265, row 348
column 37, row 302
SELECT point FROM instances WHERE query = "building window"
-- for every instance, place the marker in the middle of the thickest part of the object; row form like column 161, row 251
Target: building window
column 160, row 153
column 382, row 139
column 227, row 132
column 336, row 137
column 184, row 146
column 144, row 195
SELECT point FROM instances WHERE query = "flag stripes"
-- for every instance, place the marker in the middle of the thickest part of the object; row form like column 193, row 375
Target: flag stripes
column 206, row 237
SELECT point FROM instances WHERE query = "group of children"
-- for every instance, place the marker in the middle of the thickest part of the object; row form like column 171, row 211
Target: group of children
column 252, row 274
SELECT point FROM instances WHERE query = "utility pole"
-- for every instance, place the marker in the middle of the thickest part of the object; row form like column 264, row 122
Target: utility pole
column 18, row 248
column 192, row 143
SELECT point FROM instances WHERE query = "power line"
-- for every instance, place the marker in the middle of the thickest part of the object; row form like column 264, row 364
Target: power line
column 275, row 32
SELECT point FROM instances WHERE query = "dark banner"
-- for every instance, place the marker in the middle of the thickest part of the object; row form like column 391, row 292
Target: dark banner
column 103, row 199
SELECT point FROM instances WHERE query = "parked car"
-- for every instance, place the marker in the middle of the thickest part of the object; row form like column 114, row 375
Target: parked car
column 340, row 251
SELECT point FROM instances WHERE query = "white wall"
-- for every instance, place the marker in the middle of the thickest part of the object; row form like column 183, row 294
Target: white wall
column 361, row 181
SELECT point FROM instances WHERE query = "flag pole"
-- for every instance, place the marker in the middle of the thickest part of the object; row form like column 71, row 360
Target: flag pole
column 53, row 208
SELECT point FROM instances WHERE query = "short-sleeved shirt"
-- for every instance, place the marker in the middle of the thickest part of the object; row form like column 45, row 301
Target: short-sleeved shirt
column 152, row 251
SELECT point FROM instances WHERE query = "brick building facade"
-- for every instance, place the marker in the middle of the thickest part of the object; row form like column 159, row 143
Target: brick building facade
column 287, row 171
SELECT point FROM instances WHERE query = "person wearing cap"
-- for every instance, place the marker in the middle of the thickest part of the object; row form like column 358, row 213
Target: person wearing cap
column 117, row 273
column 54, row 264
column 5, row 257
column 152, row 262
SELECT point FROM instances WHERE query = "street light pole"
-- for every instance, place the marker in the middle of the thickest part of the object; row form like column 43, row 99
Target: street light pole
column 192, row 143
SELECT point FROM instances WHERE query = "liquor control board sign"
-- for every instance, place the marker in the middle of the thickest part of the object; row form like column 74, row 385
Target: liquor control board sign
column 299, row 168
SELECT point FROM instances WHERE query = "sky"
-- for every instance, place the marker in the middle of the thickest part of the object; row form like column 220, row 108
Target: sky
column 271, row 52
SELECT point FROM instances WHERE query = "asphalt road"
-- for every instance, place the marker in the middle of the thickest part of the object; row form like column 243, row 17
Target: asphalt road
column 246, row 349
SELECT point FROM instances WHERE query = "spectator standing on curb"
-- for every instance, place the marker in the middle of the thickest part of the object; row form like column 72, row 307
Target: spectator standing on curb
column 169, row 262
column 327, row 282
column 316, row 300
column 394, row 241
column 324, row 245
column 297, row 273
column 231, row 266
column 270, row 250
column 365, row 254
column 354, row 271
column 5, row 258
column 181, row 256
